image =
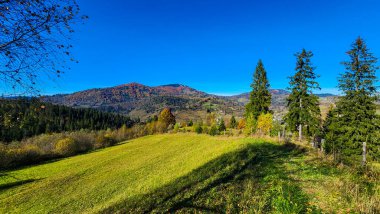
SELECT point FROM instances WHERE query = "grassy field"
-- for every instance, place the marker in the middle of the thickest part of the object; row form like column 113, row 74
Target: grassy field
column 187, row 173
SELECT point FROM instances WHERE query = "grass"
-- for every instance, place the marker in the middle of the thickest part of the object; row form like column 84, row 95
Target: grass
column 188, row 173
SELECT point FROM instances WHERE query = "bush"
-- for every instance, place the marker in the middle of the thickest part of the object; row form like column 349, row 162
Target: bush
column 205, row 129
column 176, row 127
column 5, row 158
column 276, row 129
column 66, row 147
column 241, row 124
column 105, row 140
column 170, row 127
column 85, row 140
column 213, row 130
column 161, row 127
column 198, row 129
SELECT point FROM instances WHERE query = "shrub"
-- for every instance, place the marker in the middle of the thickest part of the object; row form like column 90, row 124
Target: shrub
column 151, row 128
column 198, row 129
column 105, row 140
column 213, row 130
column 241, row 124
column 4, row 160
column 176, row 127
column 275, row 129
column 170, row 127
column 66, row 147
column 85, row 140
column 161, row 127
column 205, row 129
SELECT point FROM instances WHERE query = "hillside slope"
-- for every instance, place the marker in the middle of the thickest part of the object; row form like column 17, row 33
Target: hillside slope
column 141, row 101
column 186, row 173
column 137, row 100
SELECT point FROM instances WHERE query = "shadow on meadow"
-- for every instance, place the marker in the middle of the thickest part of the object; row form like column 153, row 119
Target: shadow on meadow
column 252, row 179
column 17, row 182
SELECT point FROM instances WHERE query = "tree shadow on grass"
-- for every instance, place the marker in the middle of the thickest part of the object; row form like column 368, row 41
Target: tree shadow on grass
column 252, row 179
column 16, row 183
column 6, row 186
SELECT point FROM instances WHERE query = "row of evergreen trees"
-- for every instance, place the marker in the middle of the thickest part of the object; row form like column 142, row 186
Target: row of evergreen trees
column 21, row 118
column 348, row 124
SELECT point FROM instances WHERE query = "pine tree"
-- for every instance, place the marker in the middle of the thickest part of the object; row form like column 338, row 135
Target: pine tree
column 302, row 103
column 260, row 97
column 221, row 125
column 233, row 122
column 355, row 120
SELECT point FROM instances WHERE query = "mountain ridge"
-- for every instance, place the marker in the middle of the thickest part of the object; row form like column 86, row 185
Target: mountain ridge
column 138, row 100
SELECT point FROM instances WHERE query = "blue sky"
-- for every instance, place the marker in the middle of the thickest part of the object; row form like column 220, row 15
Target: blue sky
column 213, row 45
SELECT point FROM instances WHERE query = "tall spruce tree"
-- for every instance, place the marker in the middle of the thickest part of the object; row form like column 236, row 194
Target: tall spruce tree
column 354, row 120
column 260, row 97
column 302, row 103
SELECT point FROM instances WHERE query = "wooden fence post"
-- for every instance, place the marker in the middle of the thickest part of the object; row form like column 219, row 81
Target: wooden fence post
column 322, row 145
column 364, row 161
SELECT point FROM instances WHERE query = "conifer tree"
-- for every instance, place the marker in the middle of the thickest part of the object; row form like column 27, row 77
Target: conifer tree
column 302, row 103
column 260, row 97
column 355, row 120
column 221, row 125
column 233, row 122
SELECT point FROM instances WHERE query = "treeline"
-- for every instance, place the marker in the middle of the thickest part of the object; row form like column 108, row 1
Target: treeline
column 22, row 118
column 351, row 126
column 57, row 145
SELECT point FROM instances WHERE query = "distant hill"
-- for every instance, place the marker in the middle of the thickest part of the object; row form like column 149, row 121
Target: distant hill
column 279, row 101
column 137, row 100
column 142, row 101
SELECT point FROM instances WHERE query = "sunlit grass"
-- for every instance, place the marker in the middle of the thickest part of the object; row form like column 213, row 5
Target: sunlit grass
column 188, row 173
column 93, row 181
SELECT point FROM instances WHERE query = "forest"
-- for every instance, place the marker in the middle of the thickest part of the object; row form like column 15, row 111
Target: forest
column 26, row 117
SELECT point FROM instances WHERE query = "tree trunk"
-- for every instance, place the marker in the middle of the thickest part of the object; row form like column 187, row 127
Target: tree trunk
column 364, row 161
column 300, row 125
column 300, row 132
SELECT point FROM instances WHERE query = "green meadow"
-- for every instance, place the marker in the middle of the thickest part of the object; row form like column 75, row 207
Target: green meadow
column 189, row 173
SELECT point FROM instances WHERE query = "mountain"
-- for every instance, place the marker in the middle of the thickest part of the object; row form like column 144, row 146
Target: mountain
column 137, row 100
column 123, row 93
column 244, row 97
column 279, row 102
column 141, row 101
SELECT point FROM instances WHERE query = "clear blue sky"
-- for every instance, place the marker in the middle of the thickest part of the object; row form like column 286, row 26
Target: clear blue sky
column 213, row 45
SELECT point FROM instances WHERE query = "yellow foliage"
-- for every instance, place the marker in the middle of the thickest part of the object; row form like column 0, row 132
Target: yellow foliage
column 241, row 124
column 166, row 117
column 66, row 146
column 265, row 123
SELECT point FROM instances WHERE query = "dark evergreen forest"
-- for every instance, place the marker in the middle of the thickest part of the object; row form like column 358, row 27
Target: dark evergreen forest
column 25, row 117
